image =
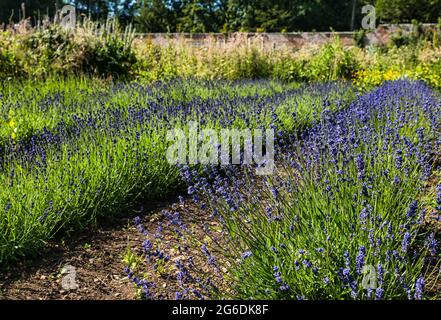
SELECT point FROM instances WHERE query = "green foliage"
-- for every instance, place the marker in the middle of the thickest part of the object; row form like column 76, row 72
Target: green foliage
column 289, row 70
column 93, row 48
column 249, row 64
column 334, row 61
column 9, row 62
column 359, row 37
column 154, row 17
column 49, row 50
column 229, row 15
column 110, row 54
column 104, row 50
column 407, row 10
column 413, row 38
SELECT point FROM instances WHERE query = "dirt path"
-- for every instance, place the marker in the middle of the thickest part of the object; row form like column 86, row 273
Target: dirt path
column 96, row 255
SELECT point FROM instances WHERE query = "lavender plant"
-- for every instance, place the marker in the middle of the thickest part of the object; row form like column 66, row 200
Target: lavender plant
column 345, row 199
column 94, row 153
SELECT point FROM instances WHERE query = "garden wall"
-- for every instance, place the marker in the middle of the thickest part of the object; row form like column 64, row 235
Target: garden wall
column 380, row 36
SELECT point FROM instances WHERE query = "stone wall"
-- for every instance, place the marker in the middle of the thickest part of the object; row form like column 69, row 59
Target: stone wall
column 383, row 34
column 380, row 36
column 266, row 40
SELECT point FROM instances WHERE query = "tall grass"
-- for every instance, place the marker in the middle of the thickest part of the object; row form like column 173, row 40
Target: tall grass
column 107, row 51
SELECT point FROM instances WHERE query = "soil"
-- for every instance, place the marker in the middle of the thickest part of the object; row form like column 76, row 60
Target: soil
column 97, row 256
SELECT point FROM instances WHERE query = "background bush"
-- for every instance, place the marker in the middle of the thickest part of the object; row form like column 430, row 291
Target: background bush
column 102, row 50
column 106, row 51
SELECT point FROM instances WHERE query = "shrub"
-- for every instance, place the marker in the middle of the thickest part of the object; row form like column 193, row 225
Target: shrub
column 334, row 61
column 10, row 64
column 49, row 50
column 105, row 50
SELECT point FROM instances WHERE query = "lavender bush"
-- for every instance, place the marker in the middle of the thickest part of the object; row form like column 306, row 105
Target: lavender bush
column 75, row 151
column 346, row 198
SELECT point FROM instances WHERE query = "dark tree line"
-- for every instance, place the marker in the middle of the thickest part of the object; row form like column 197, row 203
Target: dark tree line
column 230, row 15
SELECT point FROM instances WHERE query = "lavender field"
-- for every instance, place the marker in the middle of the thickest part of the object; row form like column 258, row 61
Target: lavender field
column 350, row 211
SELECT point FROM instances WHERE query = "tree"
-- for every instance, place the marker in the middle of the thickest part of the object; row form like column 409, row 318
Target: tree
column 12, row 10
column 199, row 16
column 230, row 15
column 154, row 16
column 95, row 9
column 124, row 10
column 407, row 10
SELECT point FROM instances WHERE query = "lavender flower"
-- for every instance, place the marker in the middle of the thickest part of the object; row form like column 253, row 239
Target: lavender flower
column 419, row 288
column 411, row 211
column 277, row 274
column 359, row 260
column 246, row 255
column 379, row 294
column 406, row 242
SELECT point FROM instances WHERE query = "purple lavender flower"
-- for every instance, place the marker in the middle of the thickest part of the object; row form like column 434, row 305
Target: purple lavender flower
column 284, row 287
column 277, row 274
column 211, row 258
column 246, row 255
column 147, row 246
column 307, row 263
column 422, row 216
column 191, row 190
column 364, row 190
column 354, row 289
column 419, row 288
column 432, row 244
column 359, row 163
column 347, row 258
column 371, row 238
column 399, row 159
column 406, row 242
column 364, row 215
column 275, row 192
column 379, row 294
column 359, row 260
column 178, row 295
column 411, row 211
column 7, row 207
column 198, row 294
column 380, row 274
